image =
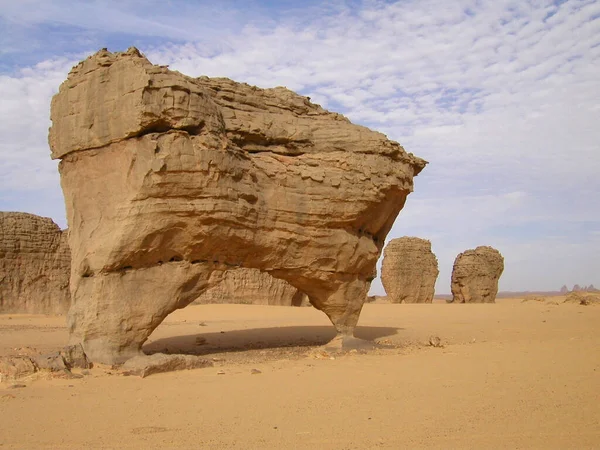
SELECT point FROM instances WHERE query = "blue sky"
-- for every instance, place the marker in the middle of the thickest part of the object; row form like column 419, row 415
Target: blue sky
column 502, row 97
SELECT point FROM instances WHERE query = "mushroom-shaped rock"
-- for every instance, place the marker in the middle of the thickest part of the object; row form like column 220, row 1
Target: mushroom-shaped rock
column 409, row 270
column 253, row 287
column 475, row 275
column 171, row 180
column 34, row 265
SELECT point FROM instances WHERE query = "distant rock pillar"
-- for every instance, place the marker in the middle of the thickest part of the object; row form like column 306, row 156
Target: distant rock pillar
column 475, row 275
column 409, row 270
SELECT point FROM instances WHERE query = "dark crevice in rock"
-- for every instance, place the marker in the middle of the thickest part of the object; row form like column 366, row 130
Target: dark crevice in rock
column 164, row 126
column 192, row 130
column 258, row 142
column 159, row 126
column 250, row 198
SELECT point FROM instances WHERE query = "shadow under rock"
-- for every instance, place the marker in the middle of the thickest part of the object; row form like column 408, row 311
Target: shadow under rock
column 257, row 338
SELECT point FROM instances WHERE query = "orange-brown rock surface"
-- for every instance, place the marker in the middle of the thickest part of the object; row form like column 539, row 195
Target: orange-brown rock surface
column 409, row 270
column 253, row 287
column 475, row 275
column 34, row 265
column 171, row 180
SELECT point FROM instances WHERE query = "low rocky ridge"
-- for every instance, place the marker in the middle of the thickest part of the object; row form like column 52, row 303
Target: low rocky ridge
column 409, row 270
column 581, row 298
column 170, row 181
column 35, row 265
column 475, row 275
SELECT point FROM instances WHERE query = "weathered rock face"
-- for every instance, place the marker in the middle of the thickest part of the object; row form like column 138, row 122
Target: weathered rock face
column 409, row 270
column 171, row 180
column 475, row 275
column 253, row 287
column 34, row 265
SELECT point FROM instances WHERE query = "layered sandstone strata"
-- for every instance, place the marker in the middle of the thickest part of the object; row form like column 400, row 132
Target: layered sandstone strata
column 253, row 287
column 409, row 270
column 34, row 265
column 475, row 275
column 169, row 181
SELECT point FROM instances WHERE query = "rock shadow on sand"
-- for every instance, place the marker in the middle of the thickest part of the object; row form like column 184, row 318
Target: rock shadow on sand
column 258, row 339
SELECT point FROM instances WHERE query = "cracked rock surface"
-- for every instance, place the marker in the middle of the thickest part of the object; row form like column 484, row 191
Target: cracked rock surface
column 475, row 275
column 252, row 287
column 409, row 270
column 34, row 265
column 170, row 180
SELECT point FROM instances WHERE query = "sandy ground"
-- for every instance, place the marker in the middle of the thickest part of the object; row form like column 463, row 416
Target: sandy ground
column 510, row 375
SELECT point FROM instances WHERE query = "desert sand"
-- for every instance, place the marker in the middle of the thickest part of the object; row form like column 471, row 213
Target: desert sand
column 509, row 375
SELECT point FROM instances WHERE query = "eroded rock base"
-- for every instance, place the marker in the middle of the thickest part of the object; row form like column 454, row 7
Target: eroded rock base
column 345, row 343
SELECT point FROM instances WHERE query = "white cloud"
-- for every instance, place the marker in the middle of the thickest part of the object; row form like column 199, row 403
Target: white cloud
column 24, row 122
column 500, row 96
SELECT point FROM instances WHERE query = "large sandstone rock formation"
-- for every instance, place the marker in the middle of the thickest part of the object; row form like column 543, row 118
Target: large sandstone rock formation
column 409, row 270
column 171, row 180
column 34, row 265
column 475, row 275
column 253, row 287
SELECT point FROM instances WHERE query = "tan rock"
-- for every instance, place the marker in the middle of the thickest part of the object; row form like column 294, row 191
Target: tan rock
column 409, row 270
column 74, row 356
column 16, row 367
column 253, row 287
column 169, row 181
column 34, row 265
column 144, row 366
column 475, row 275
column 53, row 362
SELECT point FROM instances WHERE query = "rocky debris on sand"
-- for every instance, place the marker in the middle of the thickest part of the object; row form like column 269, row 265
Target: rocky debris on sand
column 16, row 367
column 71, row 356
column 35, row 265
column 533, row 298
column 435, row 341
column 170, row 181
column 144, row 365
column 253, row 287
column 475, row 275
column 409, row 270
column 25, row 364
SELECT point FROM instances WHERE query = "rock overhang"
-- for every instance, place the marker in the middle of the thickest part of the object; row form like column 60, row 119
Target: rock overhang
column 186, row 177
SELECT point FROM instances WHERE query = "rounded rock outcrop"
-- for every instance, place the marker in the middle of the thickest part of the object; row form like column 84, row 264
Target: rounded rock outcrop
column 475, row 275
column 409, row 270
